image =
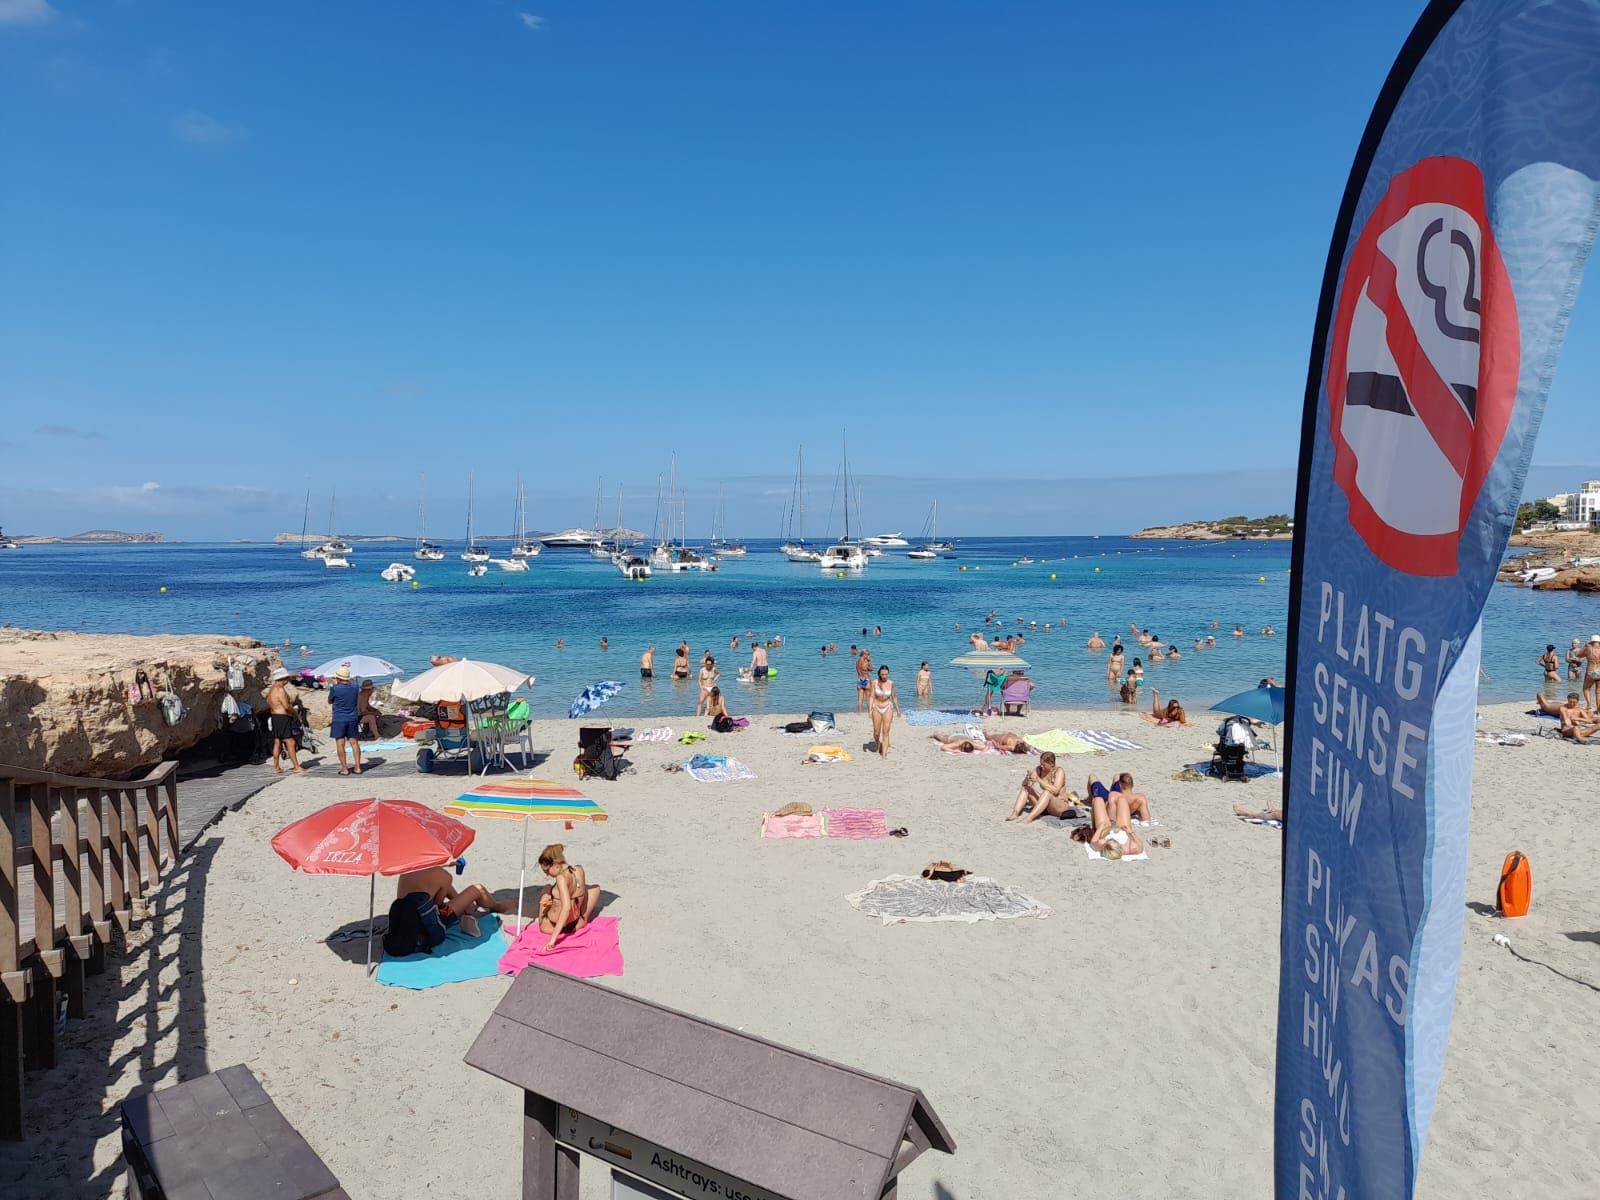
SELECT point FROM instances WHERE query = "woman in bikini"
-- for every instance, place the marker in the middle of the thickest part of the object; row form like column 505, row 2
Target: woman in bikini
column 680, row 661
column 569, row 900
column 884, row 703
column 708, row 680
column 1164, row 715
column 1044, row 788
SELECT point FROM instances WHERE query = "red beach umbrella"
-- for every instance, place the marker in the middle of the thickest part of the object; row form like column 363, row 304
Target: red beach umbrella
column 371, row 837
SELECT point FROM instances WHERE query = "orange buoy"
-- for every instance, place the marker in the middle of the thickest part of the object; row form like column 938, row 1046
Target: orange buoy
column 1515, row 893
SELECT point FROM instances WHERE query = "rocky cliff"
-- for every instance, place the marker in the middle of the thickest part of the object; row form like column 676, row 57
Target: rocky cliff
column 65, row 701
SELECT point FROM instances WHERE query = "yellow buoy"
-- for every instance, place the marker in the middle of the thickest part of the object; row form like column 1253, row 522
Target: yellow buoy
column 1263, row 579
column 415, row 584
column 163, row 588
column 1097, row 570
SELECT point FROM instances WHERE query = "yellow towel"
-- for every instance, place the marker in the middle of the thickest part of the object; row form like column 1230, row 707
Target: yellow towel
column 835, row 752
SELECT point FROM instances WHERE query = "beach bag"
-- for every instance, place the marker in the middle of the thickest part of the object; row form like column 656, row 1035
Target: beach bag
column 722, row 724
column 821, row 721
column 172, row 709
column 415, row 926
column 1515, row 892
column 235, row 677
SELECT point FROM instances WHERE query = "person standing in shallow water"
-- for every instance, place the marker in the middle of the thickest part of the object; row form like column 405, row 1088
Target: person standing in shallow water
column 647, row 663
column 924, row 682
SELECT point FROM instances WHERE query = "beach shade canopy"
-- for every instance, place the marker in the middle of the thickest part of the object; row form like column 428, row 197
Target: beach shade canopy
column 362, row 666
column 593, row 696
column 464, row 679
column 526, row 800
column 990, row 660
column 371, row 837
column 1258, row 704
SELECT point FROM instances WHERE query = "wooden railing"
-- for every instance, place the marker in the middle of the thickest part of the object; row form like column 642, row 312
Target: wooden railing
column 102, row 841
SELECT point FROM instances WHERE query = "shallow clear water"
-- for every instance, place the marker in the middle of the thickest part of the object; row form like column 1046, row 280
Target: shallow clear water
column 1174, row 589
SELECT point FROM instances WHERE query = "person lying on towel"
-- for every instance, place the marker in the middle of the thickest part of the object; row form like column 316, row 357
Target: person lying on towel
column 1577, row 722
column 1119, row 804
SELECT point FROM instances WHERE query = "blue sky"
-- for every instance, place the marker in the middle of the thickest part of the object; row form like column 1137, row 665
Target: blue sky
column 246, row 251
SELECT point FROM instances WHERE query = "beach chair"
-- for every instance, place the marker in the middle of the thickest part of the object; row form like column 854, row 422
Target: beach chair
column 449, row 738
column 1014, row 696
column 600, row 753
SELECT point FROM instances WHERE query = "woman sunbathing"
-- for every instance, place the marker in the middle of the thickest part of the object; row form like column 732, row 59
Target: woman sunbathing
column 957, row 743
column 1045, row 789
column 569, row 901
column 1010, row 743
column 1164, row 716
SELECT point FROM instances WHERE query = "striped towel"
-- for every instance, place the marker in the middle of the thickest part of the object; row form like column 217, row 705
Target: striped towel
column 1101, row 740
column 1059, row 741
column 858, row 824
column 795, row 825
column 718, row 770
column 661, row 733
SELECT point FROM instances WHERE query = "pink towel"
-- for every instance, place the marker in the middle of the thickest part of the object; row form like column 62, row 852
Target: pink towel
column 795, row 825
column 857, row 823
column 593, row 950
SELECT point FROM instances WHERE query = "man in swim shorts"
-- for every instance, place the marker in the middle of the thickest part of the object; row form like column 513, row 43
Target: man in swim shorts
column 758, row 662
column 647, row 664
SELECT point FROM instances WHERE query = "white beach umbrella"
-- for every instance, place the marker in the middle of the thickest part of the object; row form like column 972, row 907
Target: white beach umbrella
column 463, row 679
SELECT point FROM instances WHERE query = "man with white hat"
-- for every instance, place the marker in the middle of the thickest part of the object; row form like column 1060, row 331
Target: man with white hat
column 344, row 699
column 1591, row 682
column 282, row 700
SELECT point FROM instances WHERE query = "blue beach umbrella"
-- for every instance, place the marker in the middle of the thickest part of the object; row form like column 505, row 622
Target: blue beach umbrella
column 362, row 666
column 1258, row 704
column 593, row 696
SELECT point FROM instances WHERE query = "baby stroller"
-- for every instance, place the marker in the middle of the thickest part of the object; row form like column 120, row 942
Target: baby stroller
column 599, row 754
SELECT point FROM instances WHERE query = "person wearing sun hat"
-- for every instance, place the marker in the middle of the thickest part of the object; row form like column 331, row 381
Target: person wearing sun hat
column 344, row 698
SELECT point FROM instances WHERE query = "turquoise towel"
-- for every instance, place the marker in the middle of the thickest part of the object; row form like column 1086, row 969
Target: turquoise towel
column 456, row 959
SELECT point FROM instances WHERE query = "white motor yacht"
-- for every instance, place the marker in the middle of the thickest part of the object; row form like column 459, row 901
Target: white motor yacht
column 569, row 539
column 923, row 554
column 510, row 564
column 894, row 540
column 477, row 569
column 337, row 561
column 399, row 572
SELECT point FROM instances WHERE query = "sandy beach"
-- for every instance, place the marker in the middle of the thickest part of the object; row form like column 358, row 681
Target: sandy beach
column 1124, row 1045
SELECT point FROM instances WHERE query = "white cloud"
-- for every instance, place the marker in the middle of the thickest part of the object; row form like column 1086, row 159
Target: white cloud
column 532, row 22
column 198, row 129
column 25, row 12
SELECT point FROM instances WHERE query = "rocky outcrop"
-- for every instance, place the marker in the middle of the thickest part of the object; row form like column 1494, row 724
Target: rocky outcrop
column 66, row 705
column 1579, row 579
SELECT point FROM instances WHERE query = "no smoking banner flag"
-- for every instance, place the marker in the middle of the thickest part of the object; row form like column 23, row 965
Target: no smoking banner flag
column 1464, row 229
column 1423, row 373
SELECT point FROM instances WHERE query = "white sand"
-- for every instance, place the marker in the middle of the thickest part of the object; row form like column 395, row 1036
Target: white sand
column 1123, row 1046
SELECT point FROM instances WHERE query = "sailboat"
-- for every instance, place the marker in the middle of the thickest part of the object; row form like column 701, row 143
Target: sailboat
column 599, row 545
column 929, row 549
column 722, row 547
column 305, row 520
column 335, row 552
column 671, row 554
column 426, row 551
column 474, row 553
column 7, row 543
column 844, row 555
column 524, row 546
column 794, row 547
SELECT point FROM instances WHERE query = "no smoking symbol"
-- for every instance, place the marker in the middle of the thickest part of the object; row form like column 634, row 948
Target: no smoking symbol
column 1422, row 376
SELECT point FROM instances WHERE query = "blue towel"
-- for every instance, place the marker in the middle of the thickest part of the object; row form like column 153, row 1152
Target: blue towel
column 937, row 716
column 708, row 761
column 456, row 959
column 1252, row 770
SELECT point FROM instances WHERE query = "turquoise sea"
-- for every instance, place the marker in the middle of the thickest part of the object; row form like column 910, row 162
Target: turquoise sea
column 1176, row 589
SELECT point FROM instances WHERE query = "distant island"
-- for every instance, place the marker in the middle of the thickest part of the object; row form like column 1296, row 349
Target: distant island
column 313, row 539
column 92, row 536
column 1276, row 528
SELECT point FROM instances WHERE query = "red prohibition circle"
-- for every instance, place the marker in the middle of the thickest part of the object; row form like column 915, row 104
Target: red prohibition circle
column 1470, row 444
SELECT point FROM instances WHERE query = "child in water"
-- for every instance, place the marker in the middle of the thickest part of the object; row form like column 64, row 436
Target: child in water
column 569, row 900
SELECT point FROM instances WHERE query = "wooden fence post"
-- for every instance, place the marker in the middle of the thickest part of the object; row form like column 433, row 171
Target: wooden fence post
column 150, row 859
column 47, row 960
column 78, row 948
column 99, row 906
column 13, row 982
column 116, row 873
column 170, row 786
column 130, row 843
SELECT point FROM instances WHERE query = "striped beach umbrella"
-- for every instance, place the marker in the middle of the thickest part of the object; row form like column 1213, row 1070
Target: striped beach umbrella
column 525, row 800
column 998, row 661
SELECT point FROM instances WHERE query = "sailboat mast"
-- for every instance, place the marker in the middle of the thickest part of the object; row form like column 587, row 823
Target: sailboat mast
column 333, row 495
column 422, row 512
column 800, row 520
column 305, row 520
column 469, row 511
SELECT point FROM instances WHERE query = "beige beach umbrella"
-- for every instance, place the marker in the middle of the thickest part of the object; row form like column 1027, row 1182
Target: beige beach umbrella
column 464, row 679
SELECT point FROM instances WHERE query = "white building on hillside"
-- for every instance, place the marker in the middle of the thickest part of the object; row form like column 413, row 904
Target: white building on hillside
column 1583, row 505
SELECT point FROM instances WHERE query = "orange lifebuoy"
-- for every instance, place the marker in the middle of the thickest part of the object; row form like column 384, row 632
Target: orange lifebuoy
column 1515, row 893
